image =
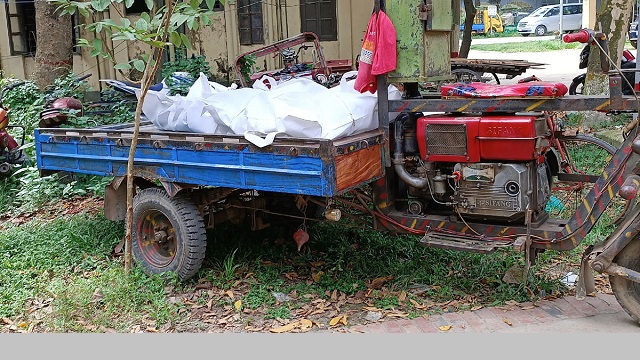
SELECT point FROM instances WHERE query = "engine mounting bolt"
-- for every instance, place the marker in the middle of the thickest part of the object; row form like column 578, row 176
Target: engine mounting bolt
column 597, row 266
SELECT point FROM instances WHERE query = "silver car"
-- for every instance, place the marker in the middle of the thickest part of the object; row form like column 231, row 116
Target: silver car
column 546, row 19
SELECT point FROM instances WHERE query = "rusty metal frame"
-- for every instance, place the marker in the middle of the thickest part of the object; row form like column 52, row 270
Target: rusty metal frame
column 276, row 47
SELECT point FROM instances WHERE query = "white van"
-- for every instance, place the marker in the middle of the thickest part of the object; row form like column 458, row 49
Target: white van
column 547, row 19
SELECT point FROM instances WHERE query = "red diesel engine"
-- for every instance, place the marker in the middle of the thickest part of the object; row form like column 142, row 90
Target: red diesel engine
column 482, row 166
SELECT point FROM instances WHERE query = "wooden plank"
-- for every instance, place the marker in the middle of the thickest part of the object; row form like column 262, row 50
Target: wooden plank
column 358, row 167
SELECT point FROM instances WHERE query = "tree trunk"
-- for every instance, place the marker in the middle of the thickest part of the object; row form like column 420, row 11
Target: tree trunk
column 470, row 14
column 613, row 21
column 54, row 44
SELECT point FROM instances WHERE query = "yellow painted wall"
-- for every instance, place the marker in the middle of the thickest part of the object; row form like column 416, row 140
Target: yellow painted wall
column 219, row 43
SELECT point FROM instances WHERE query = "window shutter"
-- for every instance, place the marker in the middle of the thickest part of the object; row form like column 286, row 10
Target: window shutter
column 319, row 17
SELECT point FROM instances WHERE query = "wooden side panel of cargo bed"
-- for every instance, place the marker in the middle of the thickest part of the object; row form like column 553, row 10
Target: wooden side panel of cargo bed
column 357, row 167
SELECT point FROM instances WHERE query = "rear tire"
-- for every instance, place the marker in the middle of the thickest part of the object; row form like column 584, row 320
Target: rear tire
column 626, row 291
column 577, row 86
column 466, row 75
column 168, row 234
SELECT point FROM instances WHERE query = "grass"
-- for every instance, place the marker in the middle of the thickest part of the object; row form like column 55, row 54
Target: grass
column 527, row 46
column 66, row 267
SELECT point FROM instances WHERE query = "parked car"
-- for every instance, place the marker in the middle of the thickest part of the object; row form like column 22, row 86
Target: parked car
column 546, row 19
column 633, row 34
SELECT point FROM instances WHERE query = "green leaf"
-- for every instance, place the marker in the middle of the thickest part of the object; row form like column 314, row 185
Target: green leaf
column 195, row 3
column 100, row 5
column 122, row 66
column 141, row 24
column 97, row 44
column 211, row 4
column 149, row 4
column 138, row 65
column 179, row 19
column 175, row 38
column 128, row 3
column 95, row 52
column 146, row 17
column 185, row 41
column 192, row 24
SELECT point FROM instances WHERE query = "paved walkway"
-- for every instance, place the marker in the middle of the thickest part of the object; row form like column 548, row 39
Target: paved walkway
column 567, row 315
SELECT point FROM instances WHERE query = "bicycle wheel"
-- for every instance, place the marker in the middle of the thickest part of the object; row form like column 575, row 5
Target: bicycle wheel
column 582, row 159
column 466, row 75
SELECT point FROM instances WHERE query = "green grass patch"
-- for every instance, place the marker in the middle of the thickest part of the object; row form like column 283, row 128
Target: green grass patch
column 527, row 46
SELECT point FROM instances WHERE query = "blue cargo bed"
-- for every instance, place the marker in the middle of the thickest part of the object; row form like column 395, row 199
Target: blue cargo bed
column 317, row 167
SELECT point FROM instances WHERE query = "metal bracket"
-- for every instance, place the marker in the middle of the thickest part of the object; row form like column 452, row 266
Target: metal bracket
column 424, row 11
column 586, row 283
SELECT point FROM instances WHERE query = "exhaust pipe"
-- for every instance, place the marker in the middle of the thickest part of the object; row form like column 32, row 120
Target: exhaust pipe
column 398, row 156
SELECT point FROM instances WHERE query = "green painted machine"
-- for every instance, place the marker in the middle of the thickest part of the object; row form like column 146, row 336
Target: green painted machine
column 424, row 39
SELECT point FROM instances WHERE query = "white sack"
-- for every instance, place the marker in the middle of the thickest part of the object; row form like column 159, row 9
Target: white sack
column 298, row 108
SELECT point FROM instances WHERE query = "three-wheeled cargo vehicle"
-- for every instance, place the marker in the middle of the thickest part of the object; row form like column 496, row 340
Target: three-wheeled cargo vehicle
column 465, row 173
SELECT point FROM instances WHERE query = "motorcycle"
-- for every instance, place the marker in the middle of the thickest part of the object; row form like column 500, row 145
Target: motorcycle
column 11, row 153
column 628, row 61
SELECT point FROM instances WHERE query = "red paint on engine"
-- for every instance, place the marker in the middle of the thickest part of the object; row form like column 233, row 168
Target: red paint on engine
column 488, row 138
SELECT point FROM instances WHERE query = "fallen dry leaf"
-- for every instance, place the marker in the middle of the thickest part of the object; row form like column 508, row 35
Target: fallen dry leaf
column 417, row 305
column 336, row 320
column 229, row 293
column 506, row 321
column 237, row 304
column 285, row 328
column 528, row 307
column 398, row 314
column 377, row 283
column 6, row 321
column 305, row 324
column 445, row 328
column 403, row 296
column 316, row 276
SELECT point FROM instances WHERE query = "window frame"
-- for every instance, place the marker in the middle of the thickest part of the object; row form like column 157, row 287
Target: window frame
column 330, row 34
column 24, row 31
column 245, row 9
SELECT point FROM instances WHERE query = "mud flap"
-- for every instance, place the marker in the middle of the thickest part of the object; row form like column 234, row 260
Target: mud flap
column 115, row 200
column 586, row 284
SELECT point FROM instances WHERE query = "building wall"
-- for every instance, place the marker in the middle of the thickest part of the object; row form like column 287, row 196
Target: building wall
column 219, row 43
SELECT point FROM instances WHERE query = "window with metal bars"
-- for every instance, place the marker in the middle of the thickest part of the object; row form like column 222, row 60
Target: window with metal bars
column 250, row 23
column 320, row 17
column 21, row 23
column 21, row 26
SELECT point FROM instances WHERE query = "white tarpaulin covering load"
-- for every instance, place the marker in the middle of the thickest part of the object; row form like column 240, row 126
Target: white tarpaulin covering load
column 299, row 108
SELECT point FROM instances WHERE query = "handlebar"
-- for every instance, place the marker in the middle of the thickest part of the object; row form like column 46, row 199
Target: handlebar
column 590, row 36
column 580, row 36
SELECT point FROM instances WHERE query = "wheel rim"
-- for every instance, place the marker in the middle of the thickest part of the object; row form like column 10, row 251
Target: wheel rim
column 540, row 31
column 156, row 238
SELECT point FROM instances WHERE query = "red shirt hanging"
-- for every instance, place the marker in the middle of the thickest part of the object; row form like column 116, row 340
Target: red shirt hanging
column 378, row 55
